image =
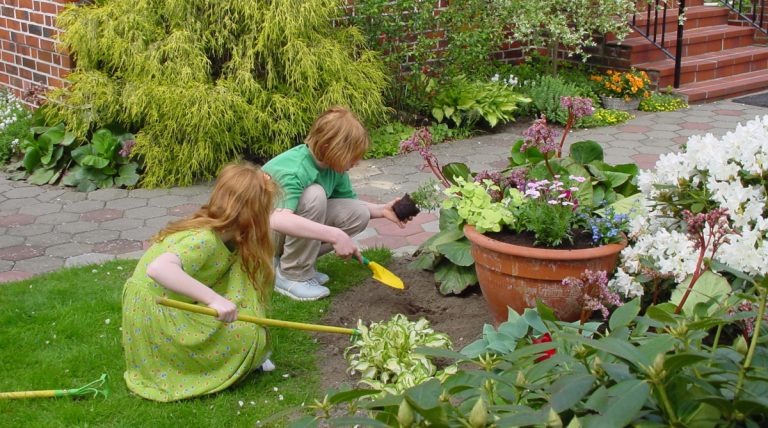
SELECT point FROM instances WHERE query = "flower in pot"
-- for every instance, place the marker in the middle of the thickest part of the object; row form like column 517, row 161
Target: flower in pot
column 622, row 90
column 544, row 219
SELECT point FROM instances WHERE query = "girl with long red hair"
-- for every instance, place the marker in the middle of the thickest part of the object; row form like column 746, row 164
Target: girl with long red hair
column 220, row 256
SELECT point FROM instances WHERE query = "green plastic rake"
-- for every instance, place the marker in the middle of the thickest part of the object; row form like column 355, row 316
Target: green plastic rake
column 98, row 386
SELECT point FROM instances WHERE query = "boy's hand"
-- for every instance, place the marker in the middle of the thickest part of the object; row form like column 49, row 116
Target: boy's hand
column 344, row 246
column 389, row 213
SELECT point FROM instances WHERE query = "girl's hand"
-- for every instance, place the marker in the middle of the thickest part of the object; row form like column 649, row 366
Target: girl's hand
column 227, row 310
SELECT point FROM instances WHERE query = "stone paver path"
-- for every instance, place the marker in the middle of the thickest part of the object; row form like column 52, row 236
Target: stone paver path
column 46, row 228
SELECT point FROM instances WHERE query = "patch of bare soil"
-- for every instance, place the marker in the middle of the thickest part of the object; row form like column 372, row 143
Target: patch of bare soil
column 461, row 317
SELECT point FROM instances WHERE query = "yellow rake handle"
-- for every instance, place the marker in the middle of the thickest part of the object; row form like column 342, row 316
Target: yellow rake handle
column 261, row 321
column 30, row 394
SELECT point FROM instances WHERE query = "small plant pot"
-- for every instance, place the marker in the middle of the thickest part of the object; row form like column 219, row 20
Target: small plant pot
column 620, row 103
column 405, row 208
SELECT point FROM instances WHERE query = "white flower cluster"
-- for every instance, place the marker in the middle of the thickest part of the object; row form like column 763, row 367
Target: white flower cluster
column 510, row 81
column 732, row 170
column 11, row 109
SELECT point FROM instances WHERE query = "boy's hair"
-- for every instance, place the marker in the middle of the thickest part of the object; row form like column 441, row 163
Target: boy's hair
column 337, row 138
column 242, row 201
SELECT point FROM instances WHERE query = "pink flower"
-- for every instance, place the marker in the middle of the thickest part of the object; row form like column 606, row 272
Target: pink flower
column 581, row 106
column 541, row 136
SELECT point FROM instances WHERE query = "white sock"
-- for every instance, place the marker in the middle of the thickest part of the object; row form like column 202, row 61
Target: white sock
column 268, row 365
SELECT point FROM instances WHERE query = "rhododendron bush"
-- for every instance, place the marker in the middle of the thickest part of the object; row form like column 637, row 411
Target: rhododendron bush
column 705, row 210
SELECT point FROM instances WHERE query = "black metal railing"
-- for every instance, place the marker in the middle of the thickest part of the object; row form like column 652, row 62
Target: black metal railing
column 750, row 11
column 654, row 13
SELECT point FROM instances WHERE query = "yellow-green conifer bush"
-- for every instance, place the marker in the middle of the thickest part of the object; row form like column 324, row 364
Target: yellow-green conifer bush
column 203, row 81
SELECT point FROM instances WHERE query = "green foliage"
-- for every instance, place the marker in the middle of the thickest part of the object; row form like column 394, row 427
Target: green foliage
column 447, row 254
column 15, row 121
column 52, row 152
column 461, row 100
column 605, row 117
column 658, row 369
column 400, row 31
column 103, row 162
column 605, row 185
column 567, row 25
column 429, row 196
column 384, row 353
column 474, row 30
column 546, row 93
column 205, row 82
column 385, row 140
column 46, row 154
column 406, row 34
column 662, row 102
column 441, row 132
column 474, row 204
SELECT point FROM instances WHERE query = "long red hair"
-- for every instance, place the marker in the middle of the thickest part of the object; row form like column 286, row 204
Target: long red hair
column 241, row 201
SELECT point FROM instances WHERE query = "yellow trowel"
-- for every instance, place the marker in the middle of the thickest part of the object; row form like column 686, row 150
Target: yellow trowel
column 383, row 275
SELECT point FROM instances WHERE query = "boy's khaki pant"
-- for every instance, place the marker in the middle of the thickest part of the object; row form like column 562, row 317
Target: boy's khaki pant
column 298, row 255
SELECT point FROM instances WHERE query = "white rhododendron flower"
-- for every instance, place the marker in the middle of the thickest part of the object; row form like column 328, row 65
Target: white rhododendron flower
column 731, row 170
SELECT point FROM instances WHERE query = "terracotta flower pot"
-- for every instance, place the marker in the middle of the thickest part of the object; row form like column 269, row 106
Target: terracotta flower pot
column 516, row 276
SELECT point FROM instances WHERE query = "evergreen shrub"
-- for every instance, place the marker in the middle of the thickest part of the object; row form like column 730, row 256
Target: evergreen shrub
column 202, row 82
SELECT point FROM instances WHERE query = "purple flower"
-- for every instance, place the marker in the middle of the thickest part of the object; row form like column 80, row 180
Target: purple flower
column 127, row 148
column 595, row 294
column 541, row 136
column 580, row 106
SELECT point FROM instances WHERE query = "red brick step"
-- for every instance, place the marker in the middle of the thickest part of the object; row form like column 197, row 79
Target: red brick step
column 711, row 65
column 725, row 87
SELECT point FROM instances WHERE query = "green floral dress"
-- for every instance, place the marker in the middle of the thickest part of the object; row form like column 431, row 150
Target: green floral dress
column 172, row 354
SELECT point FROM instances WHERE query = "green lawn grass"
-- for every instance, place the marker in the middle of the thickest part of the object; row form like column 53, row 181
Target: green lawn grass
column 62, row 330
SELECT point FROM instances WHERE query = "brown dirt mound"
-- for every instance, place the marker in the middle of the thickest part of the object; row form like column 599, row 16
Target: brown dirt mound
column 461, row 317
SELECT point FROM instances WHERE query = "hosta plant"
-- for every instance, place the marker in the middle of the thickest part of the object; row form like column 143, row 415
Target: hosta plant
column 465, row 101
column 385, row 356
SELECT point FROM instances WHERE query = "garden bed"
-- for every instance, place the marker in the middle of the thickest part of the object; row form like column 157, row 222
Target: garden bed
column 461, row 317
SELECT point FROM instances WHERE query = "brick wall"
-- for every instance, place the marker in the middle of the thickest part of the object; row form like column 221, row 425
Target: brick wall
column 29, row 59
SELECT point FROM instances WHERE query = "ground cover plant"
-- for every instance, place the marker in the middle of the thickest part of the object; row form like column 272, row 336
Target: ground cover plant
column 62, row 330
column 15, row 121
column 200, row 83
column 662, row 102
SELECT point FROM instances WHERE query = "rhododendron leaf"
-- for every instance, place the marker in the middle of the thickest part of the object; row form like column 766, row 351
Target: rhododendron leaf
column 569, row 390
column 624, row 314
column 624, row 408
column 710, row 288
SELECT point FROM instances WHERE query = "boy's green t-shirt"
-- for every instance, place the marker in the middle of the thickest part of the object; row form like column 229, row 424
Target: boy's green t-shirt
column 295, row 170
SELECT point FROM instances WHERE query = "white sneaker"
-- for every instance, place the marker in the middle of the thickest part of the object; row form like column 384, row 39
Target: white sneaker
column 321, row 278
column 309, row 289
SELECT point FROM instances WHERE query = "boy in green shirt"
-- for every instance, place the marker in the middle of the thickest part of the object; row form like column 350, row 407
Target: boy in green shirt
column 318, row 204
